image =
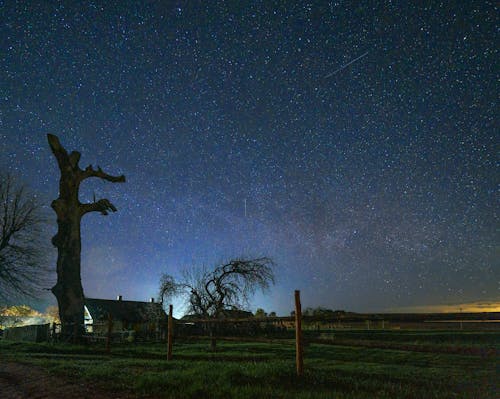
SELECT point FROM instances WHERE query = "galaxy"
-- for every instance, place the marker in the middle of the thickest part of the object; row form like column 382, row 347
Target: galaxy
column 354, row 143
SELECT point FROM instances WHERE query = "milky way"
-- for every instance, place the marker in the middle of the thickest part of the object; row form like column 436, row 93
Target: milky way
column 372, row 188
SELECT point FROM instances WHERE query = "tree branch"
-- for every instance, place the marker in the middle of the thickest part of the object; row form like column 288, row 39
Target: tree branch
column 58, row 150
column 74, row 158
column 22, row 260
column 103, row 206
column 91, row 172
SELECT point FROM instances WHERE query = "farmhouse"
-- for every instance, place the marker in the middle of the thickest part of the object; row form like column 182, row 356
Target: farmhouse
column 147, row 320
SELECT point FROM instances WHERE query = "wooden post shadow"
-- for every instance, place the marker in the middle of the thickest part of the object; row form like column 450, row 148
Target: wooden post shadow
column 299, row 352
column 170, row 332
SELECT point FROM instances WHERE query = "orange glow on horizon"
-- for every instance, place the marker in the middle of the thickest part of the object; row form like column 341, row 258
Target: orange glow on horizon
column 470, row 307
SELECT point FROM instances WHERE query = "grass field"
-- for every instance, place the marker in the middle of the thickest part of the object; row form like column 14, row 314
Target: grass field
column 353, row 364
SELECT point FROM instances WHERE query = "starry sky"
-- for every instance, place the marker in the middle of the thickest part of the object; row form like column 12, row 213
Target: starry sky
column 353, row 142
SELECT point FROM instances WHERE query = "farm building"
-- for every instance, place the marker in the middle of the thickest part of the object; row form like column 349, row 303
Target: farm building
column 146, row 319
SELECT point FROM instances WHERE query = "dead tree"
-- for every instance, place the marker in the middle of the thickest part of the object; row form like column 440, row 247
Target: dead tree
column 210, row 293
column 69, row 210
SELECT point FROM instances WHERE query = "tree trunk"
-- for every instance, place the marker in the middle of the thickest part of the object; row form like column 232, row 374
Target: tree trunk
column 68, row 289
column 213, row 340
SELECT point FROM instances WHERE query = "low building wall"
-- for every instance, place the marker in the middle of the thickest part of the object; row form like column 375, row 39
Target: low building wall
column 32, row 333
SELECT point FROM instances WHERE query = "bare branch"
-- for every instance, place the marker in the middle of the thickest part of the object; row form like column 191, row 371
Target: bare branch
column 64, row 160
column 58, row 150
column 22, row 259
column 168, row 287
column 103, row 206
column 91, row 172
column 74, row 158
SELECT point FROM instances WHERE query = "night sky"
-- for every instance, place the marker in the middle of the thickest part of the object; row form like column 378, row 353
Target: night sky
column 352, row 142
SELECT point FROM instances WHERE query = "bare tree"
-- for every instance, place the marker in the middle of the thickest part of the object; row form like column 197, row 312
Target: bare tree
column 69, row 210
column 23, row 266
column 229, row 286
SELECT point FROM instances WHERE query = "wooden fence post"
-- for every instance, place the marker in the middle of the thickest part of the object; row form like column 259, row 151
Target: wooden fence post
column 298, row 335
column 108, row 336
column 170, row 334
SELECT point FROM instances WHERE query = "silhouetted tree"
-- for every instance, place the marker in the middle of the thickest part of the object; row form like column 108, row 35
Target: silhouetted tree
column 17, row 315
column 210, row 292
column 261, row 313
column 23, row 267
column 319, row 312
column 69, row 210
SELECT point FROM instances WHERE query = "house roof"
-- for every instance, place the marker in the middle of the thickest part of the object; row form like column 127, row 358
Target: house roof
column 131, row 311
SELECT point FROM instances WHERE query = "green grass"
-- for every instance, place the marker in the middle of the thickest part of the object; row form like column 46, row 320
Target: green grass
column 267, row 370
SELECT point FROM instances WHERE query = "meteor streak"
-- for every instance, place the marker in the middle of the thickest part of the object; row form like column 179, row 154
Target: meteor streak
column 345, row 65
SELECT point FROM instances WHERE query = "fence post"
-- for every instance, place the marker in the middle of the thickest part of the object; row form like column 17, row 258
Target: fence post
column 298, row 335
column 170, row 334
column 108, row 335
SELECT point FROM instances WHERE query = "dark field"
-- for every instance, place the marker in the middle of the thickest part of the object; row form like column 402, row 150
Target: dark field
column 346, row 364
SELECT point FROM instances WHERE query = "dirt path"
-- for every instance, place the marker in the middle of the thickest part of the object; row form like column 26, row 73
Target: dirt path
column 21, row 381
